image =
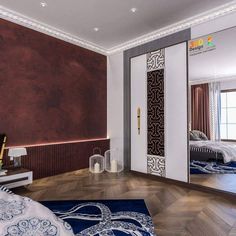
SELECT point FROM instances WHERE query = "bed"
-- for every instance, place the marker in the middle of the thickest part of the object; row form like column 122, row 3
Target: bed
column 212, row 151
column 202, row 149
column 204, row 153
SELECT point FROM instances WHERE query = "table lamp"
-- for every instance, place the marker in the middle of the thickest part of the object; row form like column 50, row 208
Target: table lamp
column 15, row 155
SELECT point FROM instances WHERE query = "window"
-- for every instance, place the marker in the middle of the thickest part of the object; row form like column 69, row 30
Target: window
column 228, row 115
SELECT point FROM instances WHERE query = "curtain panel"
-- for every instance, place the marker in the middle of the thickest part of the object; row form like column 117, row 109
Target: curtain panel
column 200, row 112
column 215, row 110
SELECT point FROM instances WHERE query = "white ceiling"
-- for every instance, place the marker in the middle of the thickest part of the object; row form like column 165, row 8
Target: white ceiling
column 113, row 17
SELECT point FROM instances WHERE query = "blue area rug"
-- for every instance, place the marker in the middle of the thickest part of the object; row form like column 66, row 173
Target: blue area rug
column 105, row 217
column 202, row 167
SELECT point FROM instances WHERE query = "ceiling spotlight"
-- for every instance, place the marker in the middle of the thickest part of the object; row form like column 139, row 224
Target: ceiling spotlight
column 96, row 29
column 133, row 9
column 43, row 4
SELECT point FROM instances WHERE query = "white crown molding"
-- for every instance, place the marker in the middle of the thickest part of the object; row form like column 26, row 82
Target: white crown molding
column 181, row 25
column 20, row 19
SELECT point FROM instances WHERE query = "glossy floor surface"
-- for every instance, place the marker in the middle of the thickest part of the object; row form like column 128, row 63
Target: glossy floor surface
column 225, row 182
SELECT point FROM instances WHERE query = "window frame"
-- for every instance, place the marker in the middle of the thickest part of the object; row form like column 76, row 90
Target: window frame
column 227, row 91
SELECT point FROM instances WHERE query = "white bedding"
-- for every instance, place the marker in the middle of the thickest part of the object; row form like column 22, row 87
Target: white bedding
column 20, row 216
column 228, row 150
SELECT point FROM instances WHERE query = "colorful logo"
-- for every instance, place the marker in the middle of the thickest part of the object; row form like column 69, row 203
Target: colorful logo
column 209, row 41
column 201, row 44
column 196, row 44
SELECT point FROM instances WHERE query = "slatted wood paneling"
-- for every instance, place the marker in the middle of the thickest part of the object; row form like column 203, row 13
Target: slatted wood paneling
column 54, row 159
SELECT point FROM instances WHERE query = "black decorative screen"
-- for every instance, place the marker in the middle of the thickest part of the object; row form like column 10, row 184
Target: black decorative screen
column 155, row 110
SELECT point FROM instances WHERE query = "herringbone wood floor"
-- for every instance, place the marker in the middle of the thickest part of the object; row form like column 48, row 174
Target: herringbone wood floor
column 175, row 210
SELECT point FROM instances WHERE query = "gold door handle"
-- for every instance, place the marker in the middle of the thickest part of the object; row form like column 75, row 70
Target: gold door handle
column 138, row 119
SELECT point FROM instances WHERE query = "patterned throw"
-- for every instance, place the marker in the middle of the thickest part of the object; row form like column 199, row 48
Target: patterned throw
column 105, row 217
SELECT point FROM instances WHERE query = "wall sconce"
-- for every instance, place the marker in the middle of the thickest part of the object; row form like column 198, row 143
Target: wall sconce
column 15, row 155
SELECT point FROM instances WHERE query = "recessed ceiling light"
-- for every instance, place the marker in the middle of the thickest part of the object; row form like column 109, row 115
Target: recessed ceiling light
column 96, row 29
column 133, row 9
column 43, row 4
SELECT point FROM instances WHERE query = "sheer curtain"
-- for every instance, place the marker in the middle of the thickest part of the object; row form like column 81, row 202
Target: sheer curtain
column 215, row 110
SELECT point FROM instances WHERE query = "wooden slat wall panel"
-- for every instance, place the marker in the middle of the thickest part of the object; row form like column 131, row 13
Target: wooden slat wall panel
column 55, row 159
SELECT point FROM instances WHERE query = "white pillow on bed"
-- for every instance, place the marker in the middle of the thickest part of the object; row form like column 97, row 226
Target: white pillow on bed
column 23, row 216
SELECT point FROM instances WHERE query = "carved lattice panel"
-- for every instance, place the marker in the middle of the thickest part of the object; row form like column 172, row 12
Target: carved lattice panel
column 156, row 60
column 156, row 165
column 155, row 110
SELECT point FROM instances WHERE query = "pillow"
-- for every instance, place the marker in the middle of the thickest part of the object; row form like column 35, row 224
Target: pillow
column 196, row 135
column 202, row 136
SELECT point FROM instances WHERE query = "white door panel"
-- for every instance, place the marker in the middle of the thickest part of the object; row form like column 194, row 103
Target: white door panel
column 139, row 100
column 176, row 149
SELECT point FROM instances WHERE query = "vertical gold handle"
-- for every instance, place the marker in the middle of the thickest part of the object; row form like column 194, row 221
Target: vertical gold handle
column 138, row 119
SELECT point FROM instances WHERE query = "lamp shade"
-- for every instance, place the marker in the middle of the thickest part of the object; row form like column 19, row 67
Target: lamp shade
column 17, row 152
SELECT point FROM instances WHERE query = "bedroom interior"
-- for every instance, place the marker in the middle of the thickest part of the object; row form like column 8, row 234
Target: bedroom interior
column 126, row 128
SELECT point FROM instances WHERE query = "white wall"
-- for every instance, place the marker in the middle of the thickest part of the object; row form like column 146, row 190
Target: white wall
column 217, row 63
column 214, row 25
column 207, row 28
column 115, row 101
column 225, row 85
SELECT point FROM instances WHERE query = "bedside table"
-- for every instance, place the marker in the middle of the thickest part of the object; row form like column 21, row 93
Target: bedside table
column 16, row 178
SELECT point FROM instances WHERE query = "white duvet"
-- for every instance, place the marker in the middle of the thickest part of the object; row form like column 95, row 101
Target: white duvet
column 228, row 150
column 20, row 216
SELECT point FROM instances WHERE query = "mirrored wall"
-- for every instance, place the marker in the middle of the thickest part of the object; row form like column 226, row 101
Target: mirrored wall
column 212, row 110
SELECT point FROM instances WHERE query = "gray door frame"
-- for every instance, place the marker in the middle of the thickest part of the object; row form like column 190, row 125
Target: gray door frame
column 170, row 40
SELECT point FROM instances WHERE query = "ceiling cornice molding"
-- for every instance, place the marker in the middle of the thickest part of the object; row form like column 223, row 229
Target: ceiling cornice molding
column 20, row 19
column 212, row 14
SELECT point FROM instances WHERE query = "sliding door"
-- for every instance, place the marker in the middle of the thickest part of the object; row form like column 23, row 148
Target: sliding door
column 139, row 114
column 159, row 113
column 176, row 138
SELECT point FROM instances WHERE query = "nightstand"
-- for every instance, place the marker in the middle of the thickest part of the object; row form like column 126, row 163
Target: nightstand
column 16, row 177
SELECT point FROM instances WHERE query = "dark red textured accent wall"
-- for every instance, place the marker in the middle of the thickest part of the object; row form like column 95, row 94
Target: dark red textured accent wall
column 51, row 160
column 51, row 91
